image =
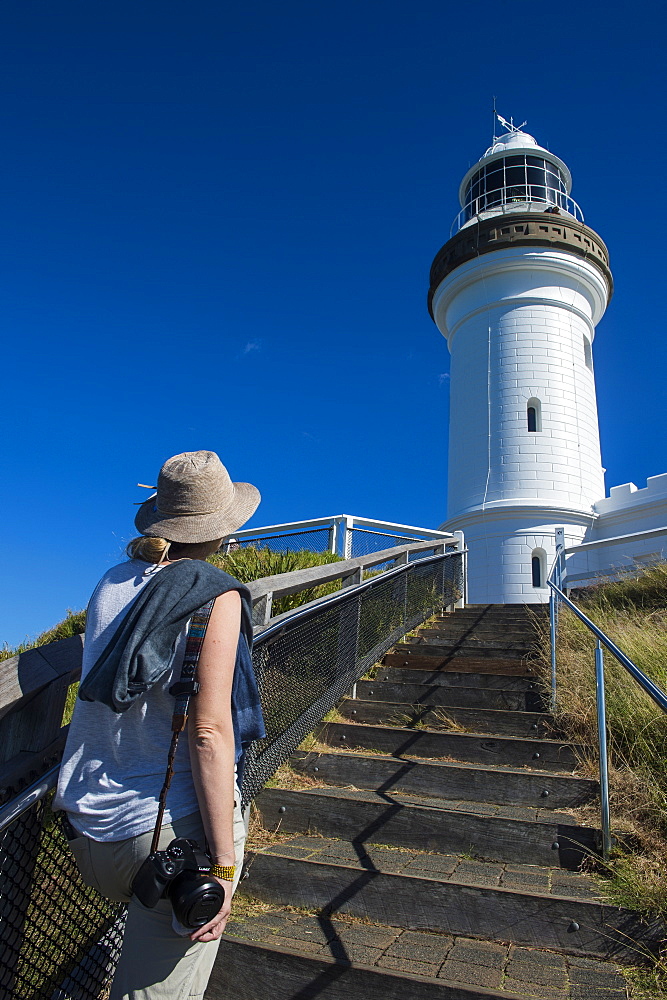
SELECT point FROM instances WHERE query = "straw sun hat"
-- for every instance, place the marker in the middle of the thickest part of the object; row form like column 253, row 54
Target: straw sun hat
column 196, row 501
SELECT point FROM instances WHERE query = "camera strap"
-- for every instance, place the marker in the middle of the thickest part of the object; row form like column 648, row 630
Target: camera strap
column 184, row 688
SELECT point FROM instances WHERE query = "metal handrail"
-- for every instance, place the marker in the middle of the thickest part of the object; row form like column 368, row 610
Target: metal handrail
column 652, row 689
column 39, row 788
column 313, row 607
column 638, row 675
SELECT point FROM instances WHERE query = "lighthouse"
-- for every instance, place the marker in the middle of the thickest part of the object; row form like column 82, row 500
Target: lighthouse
column 517, row 291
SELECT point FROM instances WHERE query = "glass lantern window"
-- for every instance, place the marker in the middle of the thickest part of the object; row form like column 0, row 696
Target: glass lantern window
column 514, row 179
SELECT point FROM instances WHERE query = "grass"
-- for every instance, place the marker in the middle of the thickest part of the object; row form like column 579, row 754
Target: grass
column 291, row 779
column 74, row 623
column 633, row 613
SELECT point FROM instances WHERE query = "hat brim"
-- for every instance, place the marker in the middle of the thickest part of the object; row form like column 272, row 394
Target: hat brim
column 199, row 527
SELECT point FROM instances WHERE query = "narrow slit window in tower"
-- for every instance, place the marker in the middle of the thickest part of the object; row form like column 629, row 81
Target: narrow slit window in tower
column 534, row 415
column 537, row 564
column 588, row 353
column 537, row 571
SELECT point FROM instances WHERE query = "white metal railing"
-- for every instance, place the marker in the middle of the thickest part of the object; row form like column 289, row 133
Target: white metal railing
column 596, row 573
column 341, row 528
column 557, row 582
column 507, row 200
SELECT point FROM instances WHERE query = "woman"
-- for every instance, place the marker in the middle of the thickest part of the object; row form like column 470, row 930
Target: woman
column 116, row 754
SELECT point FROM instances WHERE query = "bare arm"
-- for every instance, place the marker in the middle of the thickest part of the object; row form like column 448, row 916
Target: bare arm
column 211, row 738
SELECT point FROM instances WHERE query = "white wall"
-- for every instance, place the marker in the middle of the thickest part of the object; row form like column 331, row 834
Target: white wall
column 501, row 546
column 625, row 511
column 515, row 322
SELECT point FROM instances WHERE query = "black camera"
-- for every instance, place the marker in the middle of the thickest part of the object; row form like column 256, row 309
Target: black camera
column 180, row 873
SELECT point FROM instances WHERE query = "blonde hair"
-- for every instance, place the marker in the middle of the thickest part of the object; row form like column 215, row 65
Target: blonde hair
column 157, row 550
column 148, row 549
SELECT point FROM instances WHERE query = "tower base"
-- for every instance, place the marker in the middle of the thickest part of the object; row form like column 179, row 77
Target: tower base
column 503, row 543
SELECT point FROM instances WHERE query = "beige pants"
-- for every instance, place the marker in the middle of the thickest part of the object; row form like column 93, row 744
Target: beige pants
column 155, row 963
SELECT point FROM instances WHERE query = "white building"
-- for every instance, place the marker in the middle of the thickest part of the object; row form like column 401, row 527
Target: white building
column 518, row 291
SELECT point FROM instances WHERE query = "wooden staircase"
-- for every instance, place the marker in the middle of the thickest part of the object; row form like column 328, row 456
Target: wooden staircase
column 430, row 847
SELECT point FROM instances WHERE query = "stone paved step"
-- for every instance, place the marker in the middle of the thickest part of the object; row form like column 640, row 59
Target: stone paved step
column 471, row 748
column 262, row 958
column 447, row 717
column 465, row 782
column 461, row 869
column 285, row 955
column 455, row 696
column 429, row 892
column 503, row 682
column 490, row 831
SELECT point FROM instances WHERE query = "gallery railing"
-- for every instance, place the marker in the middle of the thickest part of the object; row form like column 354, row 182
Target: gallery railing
column 346, row 534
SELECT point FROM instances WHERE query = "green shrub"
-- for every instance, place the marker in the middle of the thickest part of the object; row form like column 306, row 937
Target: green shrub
column 252, row 563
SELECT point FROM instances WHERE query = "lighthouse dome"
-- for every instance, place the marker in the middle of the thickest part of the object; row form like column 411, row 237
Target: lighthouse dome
column 512, row 140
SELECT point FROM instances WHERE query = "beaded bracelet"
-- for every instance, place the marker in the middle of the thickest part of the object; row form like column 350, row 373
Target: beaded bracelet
column 225, row 872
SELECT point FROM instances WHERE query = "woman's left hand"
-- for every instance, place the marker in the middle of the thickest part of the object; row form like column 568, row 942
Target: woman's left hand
column 214, row 928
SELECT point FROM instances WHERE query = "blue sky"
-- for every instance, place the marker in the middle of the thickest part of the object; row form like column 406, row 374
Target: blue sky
column 218, row 222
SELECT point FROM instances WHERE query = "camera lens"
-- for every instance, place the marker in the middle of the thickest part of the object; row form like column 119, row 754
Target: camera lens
column 195, row 898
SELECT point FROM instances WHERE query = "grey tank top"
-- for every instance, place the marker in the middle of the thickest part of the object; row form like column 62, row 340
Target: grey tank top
column 114, row 764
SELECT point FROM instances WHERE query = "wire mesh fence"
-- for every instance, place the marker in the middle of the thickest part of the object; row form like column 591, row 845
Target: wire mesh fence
column 365, row 541
column 315, row 540
column 60, row 939
column 362, row 541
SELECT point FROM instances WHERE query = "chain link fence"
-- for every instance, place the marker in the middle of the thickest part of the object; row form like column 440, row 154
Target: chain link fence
column 362, row 541
column 60, row 939
column 315, row 540
column 365, row 541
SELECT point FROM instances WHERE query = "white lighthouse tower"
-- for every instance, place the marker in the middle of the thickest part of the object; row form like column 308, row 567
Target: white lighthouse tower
column 518, row 291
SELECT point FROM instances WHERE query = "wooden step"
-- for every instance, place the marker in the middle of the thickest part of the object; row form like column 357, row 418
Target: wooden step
column 503, row 751
column 548, row 839
column 475, row 618
column 472, row 720
column 456, row 697
column 496, row 644
column 450, row 678
column 426, row 658
column 459, row 898
column 465, row 782
column 466, row 650
column 523, row 633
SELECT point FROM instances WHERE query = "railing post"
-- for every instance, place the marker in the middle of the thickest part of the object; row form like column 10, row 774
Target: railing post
column 261, row 610
column 354, row 578
column 334, row 533
column 602, row 743
column 460, row 544
column 348, row 524
column 553, row 612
